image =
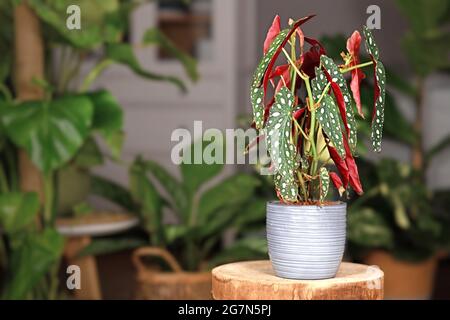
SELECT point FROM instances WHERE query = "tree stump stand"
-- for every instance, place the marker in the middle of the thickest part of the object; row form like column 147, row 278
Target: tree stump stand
column 256, row 280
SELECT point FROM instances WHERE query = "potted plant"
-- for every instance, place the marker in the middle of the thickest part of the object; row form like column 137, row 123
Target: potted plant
column 182, row 252
column 309, row 121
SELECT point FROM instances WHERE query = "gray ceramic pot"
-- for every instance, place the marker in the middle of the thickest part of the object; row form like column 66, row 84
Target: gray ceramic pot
column 306, row 242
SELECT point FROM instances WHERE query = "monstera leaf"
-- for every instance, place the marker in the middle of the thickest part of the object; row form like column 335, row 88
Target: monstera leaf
column 51, row 132
column 31, row 261
column 156, row 37
column 17, row 211
column 108, row 119
column 122, row 53
column 97, row 23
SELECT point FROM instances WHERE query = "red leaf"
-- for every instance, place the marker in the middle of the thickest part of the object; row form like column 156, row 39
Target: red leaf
column 284, row 72
column 341, row 165
column 354, row 180
column 315, row 43
column 267, row 109
column 353, row 45
column 254, row 142
column 274, row 30
column 301, row 37
column 299, row 113
column 277, row 53
column 340, row 101
column 337, row 182
column 311, row 59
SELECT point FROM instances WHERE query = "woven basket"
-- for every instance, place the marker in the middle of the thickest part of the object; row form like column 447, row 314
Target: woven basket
column 153, row 284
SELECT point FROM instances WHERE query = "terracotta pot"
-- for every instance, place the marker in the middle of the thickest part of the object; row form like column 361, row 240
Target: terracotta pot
column 153, row 284
column 404, row 280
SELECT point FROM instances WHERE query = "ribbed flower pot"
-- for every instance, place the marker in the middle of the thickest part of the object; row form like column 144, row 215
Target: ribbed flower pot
column 306, row 241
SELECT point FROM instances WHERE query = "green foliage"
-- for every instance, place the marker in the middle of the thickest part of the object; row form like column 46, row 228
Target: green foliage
column 204, row 209
column 155, row 37
column 427, row 43
column 17, row 211
column 108, row 119
column 122, row 53
column 50, row 131
column 31, row 260
column 368, row 228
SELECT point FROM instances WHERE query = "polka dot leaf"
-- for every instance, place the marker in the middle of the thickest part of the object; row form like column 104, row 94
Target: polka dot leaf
column 348, row 114
column 324, row 183
column 281, row 149
column 329, row 119
column 379, row 95
column 265, row 61
column 378, row 112
column 257, row 97
column 371, row 46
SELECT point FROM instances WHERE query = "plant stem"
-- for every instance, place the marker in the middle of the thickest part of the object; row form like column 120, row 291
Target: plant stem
column 94, row 73
column 300, row 129
column 48, row 199
column 418, row 152
column 312, row 127
column 361, row 65
column 3, row 180
column 6, row 92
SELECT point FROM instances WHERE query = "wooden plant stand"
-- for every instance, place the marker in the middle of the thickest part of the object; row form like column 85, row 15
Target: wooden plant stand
column 255, row 280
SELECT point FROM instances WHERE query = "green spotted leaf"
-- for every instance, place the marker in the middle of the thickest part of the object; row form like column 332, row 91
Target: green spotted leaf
column 371, row 46
column 336, row 77
column 318, row 84
column 324, row 183
column 280, row 146
column 257, row 93
column 328, row 116
column 379, row 95
column 378, row 114
column 327, row 113
column 257, row 96
column 265, row 61
column 287, row 186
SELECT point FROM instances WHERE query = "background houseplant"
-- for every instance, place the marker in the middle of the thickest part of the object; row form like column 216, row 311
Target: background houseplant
column 304, row 120
column 203, row 212
column 51, row 118
column 400, row 222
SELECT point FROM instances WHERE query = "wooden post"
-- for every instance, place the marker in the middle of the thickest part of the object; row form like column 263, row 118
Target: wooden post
column 90, row 284
column 255, row 280
column 29, row 64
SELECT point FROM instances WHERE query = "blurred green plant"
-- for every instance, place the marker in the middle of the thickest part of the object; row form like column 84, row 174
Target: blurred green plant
column 399, row 213
column 204, row 211
column 61, row 129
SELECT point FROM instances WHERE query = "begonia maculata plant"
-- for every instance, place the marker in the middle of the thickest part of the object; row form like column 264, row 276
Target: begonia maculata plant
column 305, row 110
